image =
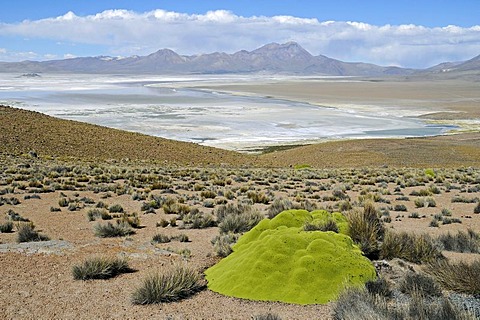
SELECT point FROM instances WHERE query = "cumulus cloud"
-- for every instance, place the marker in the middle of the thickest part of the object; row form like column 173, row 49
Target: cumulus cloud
column 127, row 32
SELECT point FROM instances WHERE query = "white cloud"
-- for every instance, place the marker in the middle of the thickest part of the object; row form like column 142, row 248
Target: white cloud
column 127, row 32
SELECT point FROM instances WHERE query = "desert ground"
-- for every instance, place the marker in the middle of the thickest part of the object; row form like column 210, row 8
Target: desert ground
column 55, row 173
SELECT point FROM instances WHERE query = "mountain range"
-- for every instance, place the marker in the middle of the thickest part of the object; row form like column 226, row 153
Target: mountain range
column 287, row 58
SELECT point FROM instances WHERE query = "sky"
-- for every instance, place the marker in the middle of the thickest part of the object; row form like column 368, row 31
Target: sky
column 416, row 34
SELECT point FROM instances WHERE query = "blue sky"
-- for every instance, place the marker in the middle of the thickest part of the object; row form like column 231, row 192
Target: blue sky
column 405, row 33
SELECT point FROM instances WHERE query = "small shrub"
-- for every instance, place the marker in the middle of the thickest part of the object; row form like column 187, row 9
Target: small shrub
column 63, row 202
column 96, row 213
column 379, row 287
column 182, row 237
column 434, row 223
column 13, row 216
column 6, row 227
column 461, row 242
column 198, row 220
column 116, row 208
column 53, row 209
column 239, row 223
column 258, row 197
column 72, row 206
column 161, row 238
column 173, row 285
column 279, row 205
column 400, row 207
column 476, row 210
column 119, row 229
column 222, row 244
column 27, row 233
column 163, row 223
column 100, row 268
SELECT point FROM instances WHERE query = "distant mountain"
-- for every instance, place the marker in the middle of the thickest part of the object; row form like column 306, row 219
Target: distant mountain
column 466, row 70
column 288, row 58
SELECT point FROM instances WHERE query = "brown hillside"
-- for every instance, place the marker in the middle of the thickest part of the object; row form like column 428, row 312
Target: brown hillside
column 438, row 152
column 23, row 131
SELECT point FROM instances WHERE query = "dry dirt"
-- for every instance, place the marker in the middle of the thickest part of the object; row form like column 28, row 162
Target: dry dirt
column 36, row 280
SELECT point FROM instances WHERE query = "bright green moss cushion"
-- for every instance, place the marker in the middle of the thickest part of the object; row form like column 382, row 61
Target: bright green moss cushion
column 278, row 261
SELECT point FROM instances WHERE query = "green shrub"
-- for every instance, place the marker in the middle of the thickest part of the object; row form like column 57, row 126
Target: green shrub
column 178, row 283
column 100, row 268
column 366, row 229
column 410, row 247
column 27, row 233
column 119, row 229
column 459, row 277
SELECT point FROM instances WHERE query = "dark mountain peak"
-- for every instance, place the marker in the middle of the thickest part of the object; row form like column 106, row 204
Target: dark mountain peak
column 165, row 55
column 285, row 51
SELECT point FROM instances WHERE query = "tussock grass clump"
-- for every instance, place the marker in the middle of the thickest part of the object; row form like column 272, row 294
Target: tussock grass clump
column 108, row 230
column 63, row 202
column 178, row 283
column 358, row 304
column 100, row 268
column 366, row 229
column 6, row 227
column 461, row 242
column 410, row 247
column 96, row 213
column 27, row 233
column 460, row 276
column 13, row 216
column 278, row 205
column 237, row 218
column 418, row 282
column 160, row 238
column 116, row 208
column 198, row 220
column 379, row 287
column 222, row 244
